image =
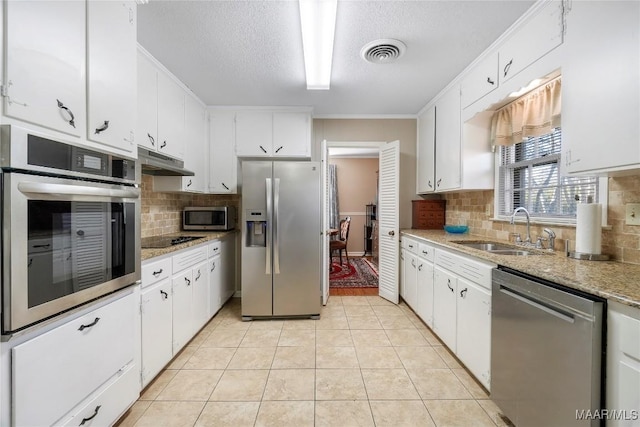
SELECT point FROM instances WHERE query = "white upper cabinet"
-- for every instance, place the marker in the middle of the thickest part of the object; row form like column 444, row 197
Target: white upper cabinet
column 480, row 81
column 147, row 128
column 254, row 134
column 425, row 168
column 273, row 134
column 111, row 73
column 45, row 64
column 601, row 87
column 291, row 135
column 531, row 41
column 448, row 160
column 223, row 172
column 161, row 109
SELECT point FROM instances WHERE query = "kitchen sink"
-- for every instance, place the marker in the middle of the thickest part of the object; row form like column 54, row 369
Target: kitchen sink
column 498, row 248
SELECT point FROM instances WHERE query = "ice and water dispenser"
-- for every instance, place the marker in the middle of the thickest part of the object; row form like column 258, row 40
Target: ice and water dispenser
column 256, row 228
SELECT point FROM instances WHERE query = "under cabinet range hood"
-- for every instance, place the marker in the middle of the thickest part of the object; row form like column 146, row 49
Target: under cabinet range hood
column 152, row 163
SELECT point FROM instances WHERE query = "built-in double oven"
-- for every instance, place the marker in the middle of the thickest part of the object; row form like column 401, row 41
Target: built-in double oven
column 70, row 226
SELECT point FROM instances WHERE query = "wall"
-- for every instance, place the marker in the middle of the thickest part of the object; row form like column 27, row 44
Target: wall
column 620, row 241
column 356, row 188
column 162, row 212
column 380, row 130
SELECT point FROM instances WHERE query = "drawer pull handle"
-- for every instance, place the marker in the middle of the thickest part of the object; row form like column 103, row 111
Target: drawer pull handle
column 420, row 267
column 187, row 281
column 439, row 182
column 463, row 292
column 279, row 148
column 30, row 262
column 410, row 246
column 263, row 150
column 102, row 128
column 190, row 182
column 151, row 140
column 213, row 266
column 225, row 187
column 157, row 273
column 164, row 294
column 490, row 81
column 199, row 274
column 164, row 144
column 95, row 413
column 507, row 67
column 66, row 109
column 41, row 246
column 83, row 327
column 449, row 285
column 429, row 183
column 425, row 252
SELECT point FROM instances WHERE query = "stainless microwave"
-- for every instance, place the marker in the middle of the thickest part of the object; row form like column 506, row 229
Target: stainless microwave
column 214, row 218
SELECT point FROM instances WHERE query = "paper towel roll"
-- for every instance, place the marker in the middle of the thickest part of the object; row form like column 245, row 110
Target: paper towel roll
column 589, row 228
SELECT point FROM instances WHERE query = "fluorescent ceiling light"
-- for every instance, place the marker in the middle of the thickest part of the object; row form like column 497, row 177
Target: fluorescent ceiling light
column 318, row 21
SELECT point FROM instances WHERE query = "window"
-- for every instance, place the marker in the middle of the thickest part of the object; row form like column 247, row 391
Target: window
column 529, row 176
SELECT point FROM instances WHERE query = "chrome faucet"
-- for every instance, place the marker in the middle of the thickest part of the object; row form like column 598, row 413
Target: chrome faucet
column 527, row 240
column 552, row 238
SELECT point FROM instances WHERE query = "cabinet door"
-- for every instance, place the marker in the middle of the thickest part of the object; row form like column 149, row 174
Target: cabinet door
column 201, row 295
column 156, row 330
column 228, row 267
column 448, row 149
column 444, row 307
column 291, row 135
column 424, row 305
column 223, row 173
column 147, row 126
column 195, row 142
column 182, row 310
column 410, row 279
column 473, row 344
column 111, row 73
column 482, row 80
column 45, row 64
column 425, row 174
column 215, row 285
column 532, row 41
column 600, row 87
column 171, row 99
column 254, row 134
column 401, row 273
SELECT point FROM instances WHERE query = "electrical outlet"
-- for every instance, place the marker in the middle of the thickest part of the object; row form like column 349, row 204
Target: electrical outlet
column 632, row 216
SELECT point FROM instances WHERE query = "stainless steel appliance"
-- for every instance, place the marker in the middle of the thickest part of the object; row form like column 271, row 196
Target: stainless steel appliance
column 154, row 163
column 70, row 226
column 214, row 218
column 281, row 239
column 546, row 352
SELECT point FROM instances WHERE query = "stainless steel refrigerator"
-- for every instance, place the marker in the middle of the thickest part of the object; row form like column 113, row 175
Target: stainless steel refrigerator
column 281, row 239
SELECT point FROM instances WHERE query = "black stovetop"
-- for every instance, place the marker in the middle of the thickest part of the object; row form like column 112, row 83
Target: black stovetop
column 156, row 242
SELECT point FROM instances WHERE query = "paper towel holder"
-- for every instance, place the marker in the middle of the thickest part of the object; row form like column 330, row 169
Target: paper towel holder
column 584, row 256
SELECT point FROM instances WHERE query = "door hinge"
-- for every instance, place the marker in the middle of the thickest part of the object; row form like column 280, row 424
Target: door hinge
column 4, row 92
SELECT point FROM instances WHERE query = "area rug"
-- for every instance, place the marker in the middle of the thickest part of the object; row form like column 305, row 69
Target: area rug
column 358, row 273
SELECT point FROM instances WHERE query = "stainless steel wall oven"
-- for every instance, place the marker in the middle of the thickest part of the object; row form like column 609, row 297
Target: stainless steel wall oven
column 70, row 226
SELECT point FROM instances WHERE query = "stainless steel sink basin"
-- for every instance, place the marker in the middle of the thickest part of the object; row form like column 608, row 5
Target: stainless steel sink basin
column 497, row 248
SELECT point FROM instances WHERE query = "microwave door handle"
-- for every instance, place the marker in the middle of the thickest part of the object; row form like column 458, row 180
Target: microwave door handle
column 60, row 190
column 276, row 245
column 267, row 268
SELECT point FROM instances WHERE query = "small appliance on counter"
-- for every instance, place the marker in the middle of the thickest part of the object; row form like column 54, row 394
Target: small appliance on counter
column 212, row 218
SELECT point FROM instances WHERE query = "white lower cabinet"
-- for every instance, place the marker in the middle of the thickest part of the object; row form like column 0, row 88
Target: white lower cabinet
column 201, row 293
column 425, row 283
column 156, row 328
column 228, row 267
column 410, row 279
column 444, row 306
column 215, row 285
column 623, row 364
column 54, row 373
column 182, row 313
column 473, row 329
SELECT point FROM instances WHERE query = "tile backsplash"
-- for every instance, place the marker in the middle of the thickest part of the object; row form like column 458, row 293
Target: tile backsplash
column 620, row 241
column 162, row 212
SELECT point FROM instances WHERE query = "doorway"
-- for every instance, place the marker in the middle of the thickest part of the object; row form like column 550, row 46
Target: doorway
column 352, row 200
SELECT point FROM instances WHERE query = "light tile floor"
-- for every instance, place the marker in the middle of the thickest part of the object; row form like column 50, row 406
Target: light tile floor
column 366, row 362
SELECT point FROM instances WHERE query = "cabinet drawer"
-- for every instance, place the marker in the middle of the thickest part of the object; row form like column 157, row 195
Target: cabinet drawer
column 189, row 257
column 470, row 268
column 630, row 336
column 57, row 370
column 426, row 252
column 153, row 272
column 105, row 408
column 214, row 248
column 410, row 245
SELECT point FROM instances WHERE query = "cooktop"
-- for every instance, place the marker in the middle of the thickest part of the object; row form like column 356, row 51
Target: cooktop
column 156, row 242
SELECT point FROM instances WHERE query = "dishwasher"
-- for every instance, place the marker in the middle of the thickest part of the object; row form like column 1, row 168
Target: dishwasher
column 546, row 352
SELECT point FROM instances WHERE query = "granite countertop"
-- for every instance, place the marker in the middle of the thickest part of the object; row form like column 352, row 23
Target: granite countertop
column 145, row 254
column 612, row 280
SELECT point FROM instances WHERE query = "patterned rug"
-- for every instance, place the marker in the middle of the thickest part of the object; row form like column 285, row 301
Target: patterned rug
column 359, row 273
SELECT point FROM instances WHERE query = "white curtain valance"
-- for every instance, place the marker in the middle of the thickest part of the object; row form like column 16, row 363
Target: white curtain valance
column 534, row 114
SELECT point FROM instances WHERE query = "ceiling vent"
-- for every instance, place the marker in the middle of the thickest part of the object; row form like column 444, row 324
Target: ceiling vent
column 383, row 51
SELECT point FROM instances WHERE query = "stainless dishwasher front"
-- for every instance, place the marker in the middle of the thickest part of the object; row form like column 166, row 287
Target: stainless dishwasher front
column 546, row 352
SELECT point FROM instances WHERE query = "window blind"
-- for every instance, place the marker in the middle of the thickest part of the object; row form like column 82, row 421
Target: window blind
column 529, row 176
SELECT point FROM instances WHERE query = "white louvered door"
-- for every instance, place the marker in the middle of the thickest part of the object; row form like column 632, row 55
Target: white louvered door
column 389, row 189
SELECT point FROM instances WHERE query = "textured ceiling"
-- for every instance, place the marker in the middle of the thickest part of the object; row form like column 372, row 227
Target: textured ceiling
column 250, row 52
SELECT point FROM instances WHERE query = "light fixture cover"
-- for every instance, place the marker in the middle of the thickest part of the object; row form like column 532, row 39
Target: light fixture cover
column 318, row 22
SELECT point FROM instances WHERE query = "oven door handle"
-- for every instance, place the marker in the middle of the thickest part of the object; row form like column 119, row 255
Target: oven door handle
column 54, row 190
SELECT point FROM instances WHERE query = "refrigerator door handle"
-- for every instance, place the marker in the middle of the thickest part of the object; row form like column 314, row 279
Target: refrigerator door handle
column 267, row 269
column 276, row 246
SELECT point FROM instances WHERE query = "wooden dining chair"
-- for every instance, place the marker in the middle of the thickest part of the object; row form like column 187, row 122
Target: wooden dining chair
column 341, row 243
